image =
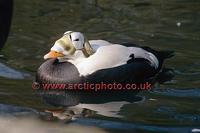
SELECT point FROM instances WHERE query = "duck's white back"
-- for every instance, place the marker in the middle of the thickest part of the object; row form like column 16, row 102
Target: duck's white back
column 95, row 44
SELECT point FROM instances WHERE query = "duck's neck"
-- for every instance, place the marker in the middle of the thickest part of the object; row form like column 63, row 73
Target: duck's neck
column 85, row 53
column 82, row 54
column 87, row 50
column 78, row 57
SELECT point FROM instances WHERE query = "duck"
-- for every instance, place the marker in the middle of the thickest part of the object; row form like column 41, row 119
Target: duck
column 74, row 48
column 74, row 59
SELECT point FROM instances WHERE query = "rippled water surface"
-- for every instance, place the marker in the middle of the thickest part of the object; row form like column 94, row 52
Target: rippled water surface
column 163, row 25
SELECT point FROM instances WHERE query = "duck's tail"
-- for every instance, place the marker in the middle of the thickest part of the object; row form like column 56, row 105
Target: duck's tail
column 166, row 74
column 160, row 54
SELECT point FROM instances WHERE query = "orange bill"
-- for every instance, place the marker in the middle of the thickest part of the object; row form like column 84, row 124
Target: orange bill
column 53, row 54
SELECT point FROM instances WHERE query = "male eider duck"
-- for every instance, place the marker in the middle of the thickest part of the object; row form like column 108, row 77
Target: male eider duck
column 74, row 48
column 74, row 59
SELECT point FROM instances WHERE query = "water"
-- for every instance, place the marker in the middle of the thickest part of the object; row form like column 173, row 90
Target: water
column 172, row 25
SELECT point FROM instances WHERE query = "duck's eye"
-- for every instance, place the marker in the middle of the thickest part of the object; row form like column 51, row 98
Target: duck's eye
column 70, row 37
column 76, row 40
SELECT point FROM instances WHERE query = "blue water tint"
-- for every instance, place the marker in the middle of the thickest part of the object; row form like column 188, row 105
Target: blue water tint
column 15, row 110
column 171, row 112
column 131, row 126
column 7, row 72
column 191, row 92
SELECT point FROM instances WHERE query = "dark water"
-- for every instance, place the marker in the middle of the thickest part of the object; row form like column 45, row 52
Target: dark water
column 172, row 25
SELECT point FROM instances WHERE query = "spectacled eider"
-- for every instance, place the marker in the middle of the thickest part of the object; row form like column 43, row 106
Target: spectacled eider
column 76, row 61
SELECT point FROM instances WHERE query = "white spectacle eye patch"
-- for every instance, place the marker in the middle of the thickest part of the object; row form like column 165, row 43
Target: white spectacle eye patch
column 77, row 40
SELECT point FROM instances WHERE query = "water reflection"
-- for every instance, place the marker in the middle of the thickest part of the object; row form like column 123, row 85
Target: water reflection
column 28, row 120
column 193, row 93
column 110, row 108
column 11, row 73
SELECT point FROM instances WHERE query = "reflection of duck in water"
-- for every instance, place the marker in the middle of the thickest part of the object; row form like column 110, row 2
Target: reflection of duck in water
column 110, row 109
column 79, row 61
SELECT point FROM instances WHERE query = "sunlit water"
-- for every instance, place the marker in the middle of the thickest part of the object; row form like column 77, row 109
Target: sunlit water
column 163, row 25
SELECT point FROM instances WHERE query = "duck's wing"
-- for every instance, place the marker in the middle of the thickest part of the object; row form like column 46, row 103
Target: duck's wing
column 112, row 56
column 134, row 71
column 160, row 55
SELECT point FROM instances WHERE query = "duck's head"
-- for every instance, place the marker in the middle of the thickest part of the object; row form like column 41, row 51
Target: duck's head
column 68, row 44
